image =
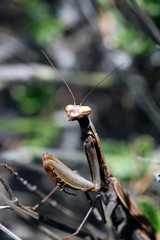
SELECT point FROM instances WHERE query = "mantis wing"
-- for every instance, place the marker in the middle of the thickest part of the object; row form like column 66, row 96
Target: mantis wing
column 132, row 208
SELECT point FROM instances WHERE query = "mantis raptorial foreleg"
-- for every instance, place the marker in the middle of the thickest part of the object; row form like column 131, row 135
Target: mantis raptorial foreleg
column 63, row 176
column 90, row 150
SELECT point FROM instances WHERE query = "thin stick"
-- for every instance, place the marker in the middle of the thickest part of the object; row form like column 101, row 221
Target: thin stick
column 28, row 185
column 9, row 233
column 33, row 188
column 7, row 187
column 60, row 76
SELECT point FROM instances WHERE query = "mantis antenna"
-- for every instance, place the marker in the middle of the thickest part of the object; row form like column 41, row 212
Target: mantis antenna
column 100, row 83
column 74, row 101
column 60, row 76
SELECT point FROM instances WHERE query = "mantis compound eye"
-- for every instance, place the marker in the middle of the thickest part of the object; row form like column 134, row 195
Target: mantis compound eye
column 68, row 108
column 85, row 110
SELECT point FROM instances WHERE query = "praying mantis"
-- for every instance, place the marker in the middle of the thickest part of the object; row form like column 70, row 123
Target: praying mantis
column 128, row 221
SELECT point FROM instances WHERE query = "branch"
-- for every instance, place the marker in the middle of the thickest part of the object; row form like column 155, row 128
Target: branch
column 139, row 18
column 27, row 215
column 42, row 223
column 9, row 233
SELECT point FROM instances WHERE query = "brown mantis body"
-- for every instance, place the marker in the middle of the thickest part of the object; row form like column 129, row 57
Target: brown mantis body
column 116, row 203
column 114, row 199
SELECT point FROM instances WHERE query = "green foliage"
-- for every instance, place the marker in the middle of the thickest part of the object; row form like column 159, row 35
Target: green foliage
column 143, row 145
column 41, row 24
column 31, row 99
column 116, row 153
column 129, row 37
column 151, row 212
column 152, row 7
column 36, row 131
column 120, row 156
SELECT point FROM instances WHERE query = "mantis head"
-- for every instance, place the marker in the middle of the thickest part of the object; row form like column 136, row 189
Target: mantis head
column 75, row 112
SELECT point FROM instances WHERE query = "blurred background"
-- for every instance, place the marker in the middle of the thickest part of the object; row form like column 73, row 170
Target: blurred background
column 85, row 40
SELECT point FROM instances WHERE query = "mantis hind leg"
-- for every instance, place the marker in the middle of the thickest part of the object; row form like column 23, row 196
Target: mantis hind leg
column 98, row 210
column 34, row 208
column 98, row 197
